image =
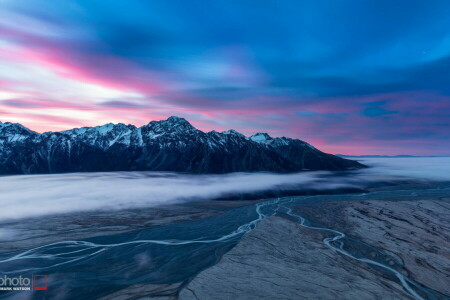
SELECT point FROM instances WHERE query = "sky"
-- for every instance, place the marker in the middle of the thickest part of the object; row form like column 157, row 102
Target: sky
column 350, row 77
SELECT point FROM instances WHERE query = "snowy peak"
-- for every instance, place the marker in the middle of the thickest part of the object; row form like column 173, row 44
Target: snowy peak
column 176, row 121
column 173, row 129
column 171, row 125
column 168, row 145
column 8, row 127
column 13, row 132
column 104, row 129
column 99, row 130
column 264, row 138
column 103, row 136
column 233, row 132
column 261, row 137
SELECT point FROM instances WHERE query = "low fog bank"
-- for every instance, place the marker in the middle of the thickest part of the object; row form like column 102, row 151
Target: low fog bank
column 425, row 168
column 37, row 195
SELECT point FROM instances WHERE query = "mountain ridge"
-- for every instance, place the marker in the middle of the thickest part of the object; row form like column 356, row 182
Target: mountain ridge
column 167, row 145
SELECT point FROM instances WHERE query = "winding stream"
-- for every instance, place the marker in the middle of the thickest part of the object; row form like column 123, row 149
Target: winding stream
column 169, row 254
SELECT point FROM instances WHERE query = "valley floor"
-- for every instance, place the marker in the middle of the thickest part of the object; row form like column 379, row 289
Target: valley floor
column 282, row 260
column 306, row 247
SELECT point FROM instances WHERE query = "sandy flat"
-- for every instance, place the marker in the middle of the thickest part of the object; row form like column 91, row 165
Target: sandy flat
column 418, row 232
column 282, row 260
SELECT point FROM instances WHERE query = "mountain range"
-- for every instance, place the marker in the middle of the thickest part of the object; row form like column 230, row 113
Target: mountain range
column 167, row 145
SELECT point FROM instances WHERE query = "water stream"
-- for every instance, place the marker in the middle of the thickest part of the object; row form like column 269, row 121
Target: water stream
column 173, row 253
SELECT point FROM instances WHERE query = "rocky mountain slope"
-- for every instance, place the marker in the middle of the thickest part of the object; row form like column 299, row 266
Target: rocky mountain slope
column 168, row 145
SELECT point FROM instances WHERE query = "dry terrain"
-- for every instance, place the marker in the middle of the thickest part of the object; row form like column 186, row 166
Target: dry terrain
column 282, row 260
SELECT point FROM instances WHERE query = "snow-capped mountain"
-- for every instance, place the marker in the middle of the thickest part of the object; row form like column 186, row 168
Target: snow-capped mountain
column 10, row 132
column 168, row 145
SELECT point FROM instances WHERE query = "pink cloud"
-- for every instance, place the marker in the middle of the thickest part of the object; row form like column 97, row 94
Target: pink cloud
column 334, row 124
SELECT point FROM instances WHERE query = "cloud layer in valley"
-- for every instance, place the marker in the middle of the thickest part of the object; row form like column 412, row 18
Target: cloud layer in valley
column 38, row 195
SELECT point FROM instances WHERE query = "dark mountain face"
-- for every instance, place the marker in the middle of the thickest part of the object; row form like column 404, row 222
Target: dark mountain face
column 169, row 145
